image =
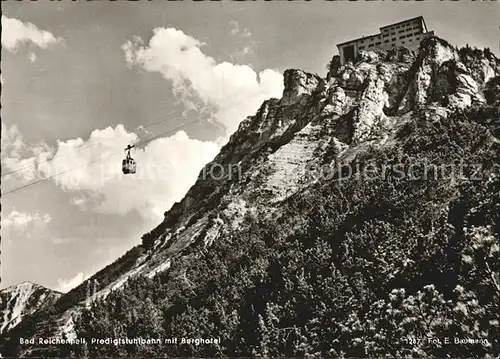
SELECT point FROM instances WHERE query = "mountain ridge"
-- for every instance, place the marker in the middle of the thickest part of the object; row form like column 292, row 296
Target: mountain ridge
column 25, row 298
column 357, row 111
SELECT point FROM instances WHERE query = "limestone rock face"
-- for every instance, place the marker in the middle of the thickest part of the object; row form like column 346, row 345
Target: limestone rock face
column 279, row 150
column 296, row 83
column 400, row 54
column 370, row 56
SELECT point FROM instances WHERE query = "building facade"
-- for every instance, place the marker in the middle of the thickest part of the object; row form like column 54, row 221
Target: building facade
column 408, row 33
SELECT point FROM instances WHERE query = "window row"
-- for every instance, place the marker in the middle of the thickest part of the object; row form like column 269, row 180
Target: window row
column 393, row 42
column 372, row 38
column 409, row 35
column 402, row 26
column 417, row 31
column 409, row 29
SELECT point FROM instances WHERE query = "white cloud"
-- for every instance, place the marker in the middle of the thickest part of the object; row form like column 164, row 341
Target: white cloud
column 12, row 141
column 243, row 40
column 78, row 200
column 167, row 167
column 65, row 285
column 21, row 220
column 32, row 57
column 19, row 158
column 235, row 30
column 235, row 27
column 16, row 32
column 235, row 91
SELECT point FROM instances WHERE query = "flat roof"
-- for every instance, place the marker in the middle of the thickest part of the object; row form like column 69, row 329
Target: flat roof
column 384, row 27
column 402, row 22
column 359, row 38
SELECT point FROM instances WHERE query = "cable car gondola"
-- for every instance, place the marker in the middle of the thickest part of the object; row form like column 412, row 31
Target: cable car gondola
column 128, row 164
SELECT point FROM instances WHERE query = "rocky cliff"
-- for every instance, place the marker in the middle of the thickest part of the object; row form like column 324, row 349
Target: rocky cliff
column 278, row 181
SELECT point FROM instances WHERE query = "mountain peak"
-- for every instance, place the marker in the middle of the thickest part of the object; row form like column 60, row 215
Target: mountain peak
column 297, row 82
column 20, row 300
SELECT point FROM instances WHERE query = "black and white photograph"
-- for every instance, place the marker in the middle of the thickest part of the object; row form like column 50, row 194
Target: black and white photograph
column 250, row 179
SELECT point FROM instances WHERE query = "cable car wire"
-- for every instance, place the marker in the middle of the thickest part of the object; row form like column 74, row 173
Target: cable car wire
column 50, row 177
column 141, row 142
column 88, row 146
column 171, row 117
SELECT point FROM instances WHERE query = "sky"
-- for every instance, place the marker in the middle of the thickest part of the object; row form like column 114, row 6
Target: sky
column 81, row 80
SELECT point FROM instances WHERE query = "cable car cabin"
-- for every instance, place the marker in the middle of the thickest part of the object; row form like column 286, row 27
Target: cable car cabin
column 129, row 166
